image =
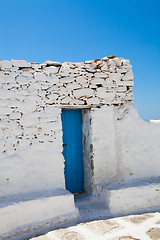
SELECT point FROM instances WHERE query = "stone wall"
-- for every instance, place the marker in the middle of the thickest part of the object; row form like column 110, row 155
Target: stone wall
column 31, row 98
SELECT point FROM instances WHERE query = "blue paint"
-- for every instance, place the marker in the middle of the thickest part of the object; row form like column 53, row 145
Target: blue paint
column 72, row 149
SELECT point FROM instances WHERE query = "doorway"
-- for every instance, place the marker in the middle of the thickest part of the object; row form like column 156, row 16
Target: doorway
column 73, row 150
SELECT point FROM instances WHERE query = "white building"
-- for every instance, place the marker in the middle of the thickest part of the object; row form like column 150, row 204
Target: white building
column 86, row 111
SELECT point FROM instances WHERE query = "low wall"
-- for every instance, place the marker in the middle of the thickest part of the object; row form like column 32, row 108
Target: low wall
column 138, row 147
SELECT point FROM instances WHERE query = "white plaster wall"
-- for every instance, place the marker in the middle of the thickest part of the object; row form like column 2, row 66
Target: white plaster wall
column 104, row 144
column 31, row 157
column 138, row 147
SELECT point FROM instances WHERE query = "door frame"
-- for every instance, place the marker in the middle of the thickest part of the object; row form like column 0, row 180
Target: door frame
column 88, row 173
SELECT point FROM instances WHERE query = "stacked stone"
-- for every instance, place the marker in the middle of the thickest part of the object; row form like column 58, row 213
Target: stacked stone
column 93, row 83
column 32, row 95
column 97, row 82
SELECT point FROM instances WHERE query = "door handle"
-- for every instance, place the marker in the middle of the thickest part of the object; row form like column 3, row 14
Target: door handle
column 64, row 145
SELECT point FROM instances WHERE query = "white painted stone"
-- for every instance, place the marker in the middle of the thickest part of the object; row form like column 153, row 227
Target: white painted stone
column 77, row 102
column 53, row 63
column 53, row 89
column 101, row 92
column 121, row 94
column 98, row 81
column 128, row 76
column 85, row 92
column 36, row 66
column 110, row 96
column 66, row 100
column 100, row 75
column 127, row 83
column 115, row 76
column 22, row 79
column 128, row 67
column 80, row 79
column 52, row 96
column 111, row 63
column 85, row 85
column 117, row 61
column 121, row 89
column 105, row 68
column 91, row 70
column 128, row 98
column 20, row 63
column 72, row 86
column 93, row 101
column 5, row 64
column 65, row 72
column 39, row 76
column 126, row 62
column 121, row 70
column 51, row 69
column 67, row 80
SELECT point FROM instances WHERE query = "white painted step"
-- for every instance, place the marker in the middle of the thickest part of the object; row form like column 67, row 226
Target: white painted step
column 26, row 213
column 130, row 197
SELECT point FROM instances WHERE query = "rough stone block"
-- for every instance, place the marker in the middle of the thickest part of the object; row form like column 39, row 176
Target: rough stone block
column 5, row 64
column 20, row 63
column 115, row 76
column 65, row 72
column 53, row 63
column 67, row 80
column 100, row 75
column 80, row 79
column 85, row 92
column 93, row 101
column 128, row 76
column 72, row 86
column 66, row 100
column 22, row 79
column 51, row 69
column 101, row 92
column 98, row 81
column 117, row 61
column 128, row 83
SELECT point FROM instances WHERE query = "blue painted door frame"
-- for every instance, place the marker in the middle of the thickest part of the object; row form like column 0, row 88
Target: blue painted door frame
column 72, row 149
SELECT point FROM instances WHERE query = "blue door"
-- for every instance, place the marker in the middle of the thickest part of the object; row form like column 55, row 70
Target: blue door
column 72, row 149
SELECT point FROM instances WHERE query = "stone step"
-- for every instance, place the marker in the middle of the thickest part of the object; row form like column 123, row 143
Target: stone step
column 23, row 215
column 129, row 197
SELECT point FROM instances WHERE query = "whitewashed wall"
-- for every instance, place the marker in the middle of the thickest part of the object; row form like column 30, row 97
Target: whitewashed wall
column 31, row 98
column 125, row 147
column 138, row 147
column 104, row 144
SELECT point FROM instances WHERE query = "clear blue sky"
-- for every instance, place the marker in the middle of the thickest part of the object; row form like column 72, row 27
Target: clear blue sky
column 78, row 30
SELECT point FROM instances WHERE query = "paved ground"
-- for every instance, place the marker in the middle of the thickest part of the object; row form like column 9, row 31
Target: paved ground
column 137, row 227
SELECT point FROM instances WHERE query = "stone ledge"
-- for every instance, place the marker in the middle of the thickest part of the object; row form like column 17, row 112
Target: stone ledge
column 130, row 197
column 27, row 213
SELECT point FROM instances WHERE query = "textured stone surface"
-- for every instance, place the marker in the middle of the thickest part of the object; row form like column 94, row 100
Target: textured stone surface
column 112, row 229
column 102, row 227
column 154, row 233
